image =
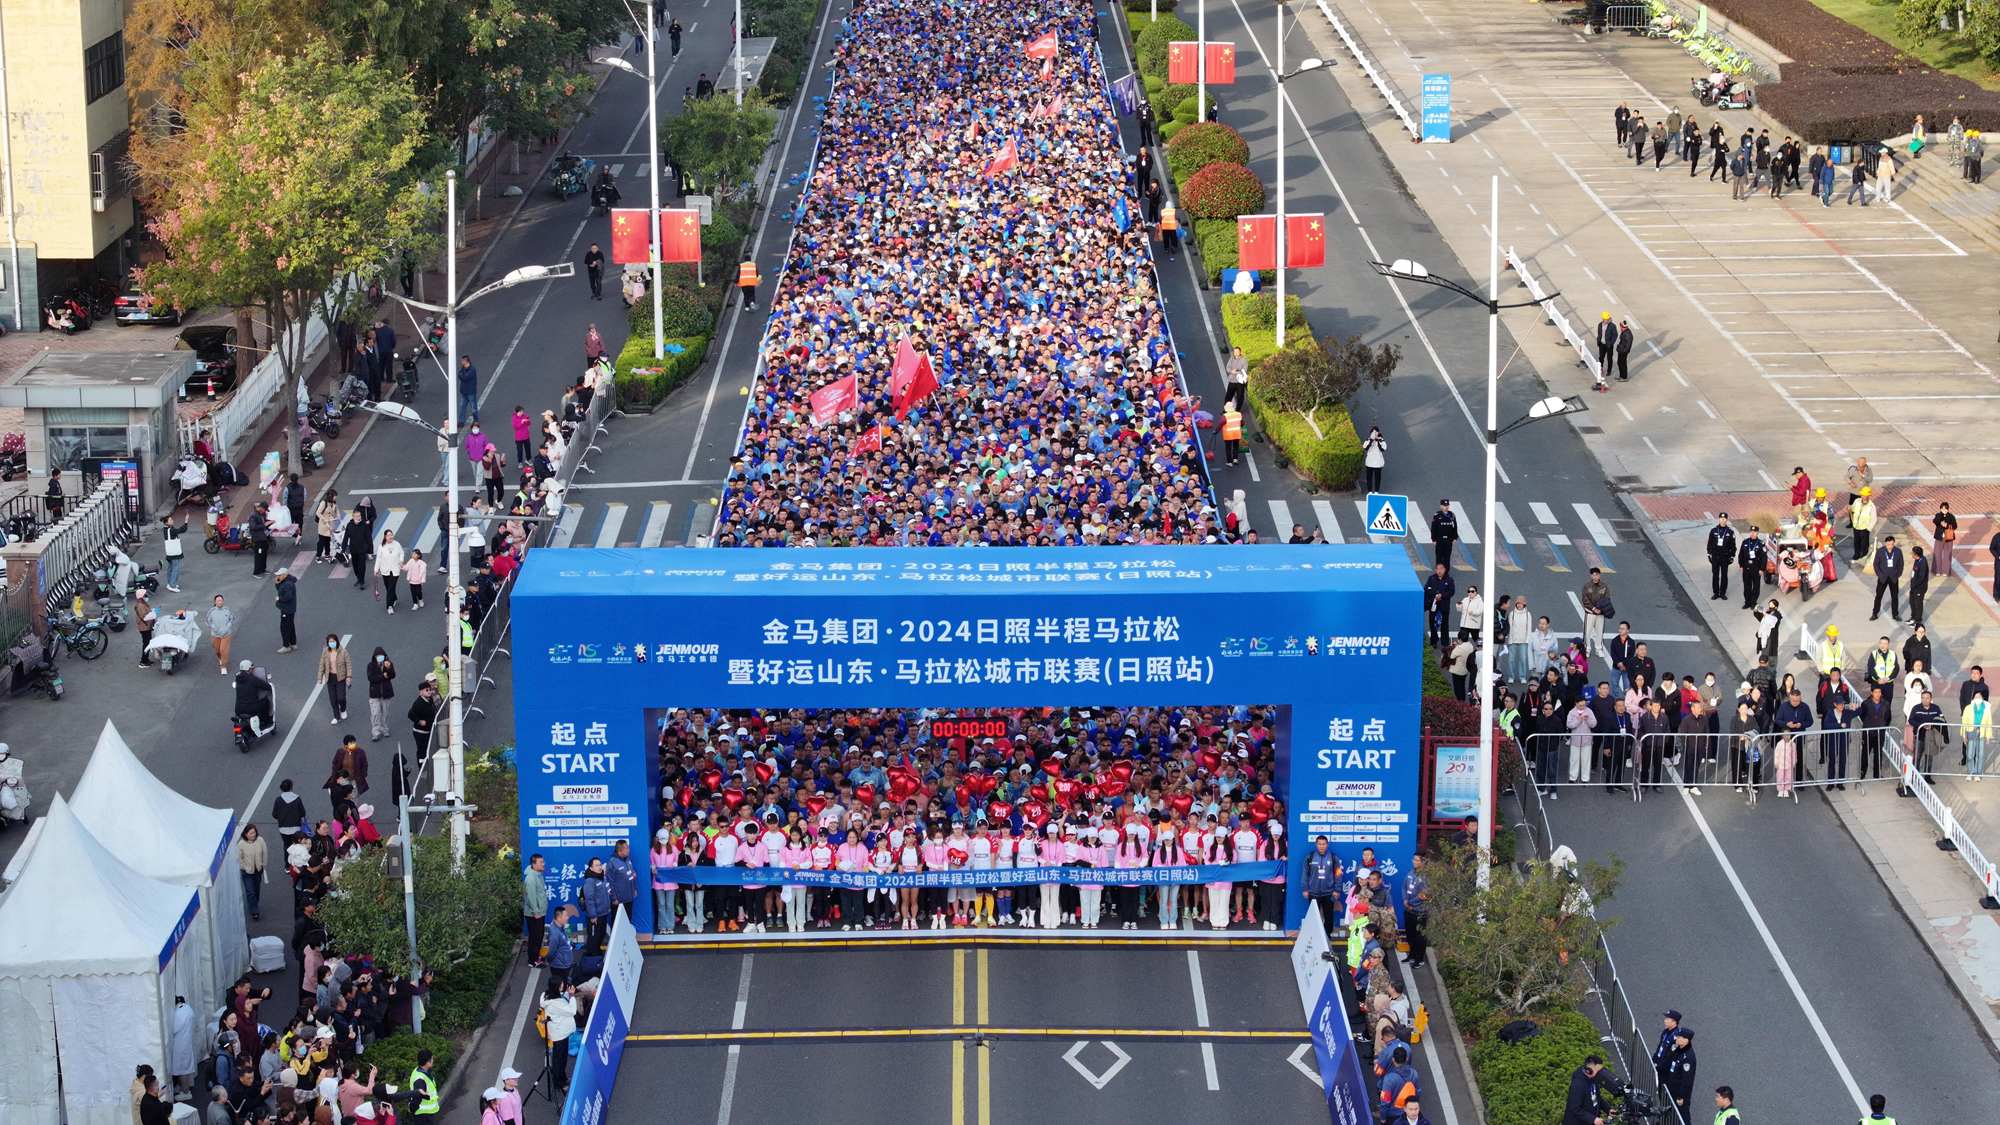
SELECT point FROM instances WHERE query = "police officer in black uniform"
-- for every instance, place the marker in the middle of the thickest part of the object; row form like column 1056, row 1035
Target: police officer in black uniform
column 1750, row 558
column 1721, row 552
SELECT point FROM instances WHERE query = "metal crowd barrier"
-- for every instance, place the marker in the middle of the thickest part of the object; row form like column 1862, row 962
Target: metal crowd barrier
column 1628, row 17
column 1386, row 85
column 1640, row 765
column 1950, row 831
column 1586, row 351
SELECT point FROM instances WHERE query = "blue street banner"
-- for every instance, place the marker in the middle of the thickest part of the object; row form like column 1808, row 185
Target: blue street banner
column 603, row 1043
column 1455, row 782
column 605, row 639
column 1347, row 1100
column 1436, row 108
column 991, row 877
column 1125, row 94
column 1387, row 515
column 1122, row 214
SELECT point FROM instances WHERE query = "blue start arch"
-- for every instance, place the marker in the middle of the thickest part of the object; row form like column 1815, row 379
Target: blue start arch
column 1331, row 634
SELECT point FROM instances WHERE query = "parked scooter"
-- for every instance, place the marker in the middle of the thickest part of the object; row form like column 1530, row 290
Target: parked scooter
column 14, row 795
column 406, row 377
column 174, row 636
column 34, row 671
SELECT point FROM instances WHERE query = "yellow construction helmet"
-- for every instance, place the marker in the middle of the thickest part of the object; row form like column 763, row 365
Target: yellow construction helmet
column 1819, row 493
column 1867, row 491
column 1833, row 630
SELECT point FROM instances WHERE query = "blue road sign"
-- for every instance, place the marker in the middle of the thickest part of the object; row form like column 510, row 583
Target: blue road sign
column 1437, row 108
column 1388, row 515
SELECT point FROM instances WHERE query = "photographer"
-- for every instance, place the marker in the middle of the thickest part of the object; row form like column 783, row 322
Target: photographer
column 1586, row 1105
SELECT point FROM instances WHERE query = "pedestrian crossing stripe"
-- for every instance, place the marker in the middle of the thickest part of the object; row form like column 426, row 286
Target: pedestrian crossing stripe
column 1388, row 515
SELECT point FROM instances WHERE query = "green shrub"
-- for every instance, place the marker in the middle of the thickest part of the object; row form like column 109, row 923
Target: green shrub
column 1331, row 461
column 1437, row 685
column 1168, row 130
column 1217, row 238
column 1166, row 99
column 1526, row 1083
column 1154, row 85
column 462, row 994
column 1223, row 191
column 780, row 79
column 396, row 1057
column 642, row 382
column 1204, row 144
column 1148, row 5
column 1189, row 109
column 1251, row 321
column 1151, row 41
column 682, row 313
column 721, row 234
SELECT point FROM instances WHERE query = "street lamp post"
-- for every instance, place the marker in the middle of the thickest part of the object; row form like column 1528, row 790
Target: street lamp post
column 1279, row 71
column 453, row 777
column 1406, row 270
column 653, row 169
column 738, row 27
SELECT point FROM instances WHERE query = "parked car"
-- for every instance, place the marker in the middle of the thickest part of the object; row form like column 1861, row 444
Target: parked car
column 214, row 348
column 134, row 307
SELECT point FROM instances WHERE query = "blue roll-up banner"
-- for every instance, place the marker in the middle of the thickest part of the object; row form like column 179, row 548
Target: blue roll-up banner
column 1347, row 1099
column 596, row 1070
column 606, row 640
column 1436, row 108
column 992, row 877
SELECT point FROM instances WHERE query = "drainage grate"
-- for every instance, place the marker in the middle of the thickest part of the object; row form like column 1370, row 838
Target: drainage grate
column 1625, row 480
column 1423, row 228
column 1590, row 429
column 1626, row 530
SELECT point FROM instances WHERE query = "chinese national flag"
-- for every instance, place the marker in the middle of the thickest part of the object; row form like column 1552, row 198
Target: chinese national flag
column 628, row 236
column 680, row 236
column 912, row 381
column 1305, row 241
column 1183, row 65
column 1221, row 64
column 1043, row 48
column 1008, row 156
column 1257, row 242
column 872, row 440
column 830, row 400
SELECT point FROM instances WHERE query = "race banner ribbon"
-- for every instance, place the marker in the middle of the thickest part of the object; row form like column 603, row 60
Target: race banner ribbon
column 995, row 877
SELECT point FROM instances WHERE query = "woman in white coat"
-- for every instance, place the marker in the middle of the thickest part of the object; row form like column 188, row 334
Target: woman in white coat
column 389, row 565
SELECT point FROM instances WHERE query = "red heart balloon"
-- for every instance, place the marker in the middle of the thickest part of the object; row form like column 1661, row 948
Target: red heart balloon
column 901, row 771
column 1181, row 803
column 963, row 795
column 984, row 783
column 957, row 857
column 1122, row 770
column 1052, row 767
column 1259, row 816
column 732, row 796
column 1263, row 803
column 900, row 788
column 1093, row 792
column 1065, row 791
column 1209, row 759
column 1035, row 812
column 1113, row 787
column 865, row 794
column 1041, row 791
column 815, row 804
column 711, row 779
column 999, row 810
column 765, row 771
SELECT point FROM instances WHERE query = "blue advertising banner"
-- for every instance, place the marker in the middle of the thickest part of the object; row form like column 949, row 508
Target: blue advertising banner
column 603, row 1043
column 1331, row 634
column 991, row 877
column 1436, row 99
column 1320, row 995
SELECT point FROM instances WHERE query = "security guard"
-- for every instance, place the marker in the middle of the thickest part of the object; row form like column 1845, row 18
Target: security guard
column 1677, row 1070
column 1861, row 517
column 1751, row 558
column 1170, row 231
column 746, row 280
column 423, row 1089
column 1721, row 552
column 1232, row 432
column 1725, row 1107
column 1876, row 1104
column 1831, row 655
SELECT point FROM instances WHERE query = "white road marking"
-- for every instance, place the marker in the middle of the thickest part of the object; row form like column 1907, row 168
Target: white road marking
column 1281, row 514
column 1208, row 1066
column 566, row 527
column 612, row 524
column 656, row 523
column 1298, row 1061
column 1599, row 530
column 735, row 1049
column 1200, row 994
column 1542, row 512
column 1250, row 459
column 1504, row 520
column 1468, row 529
column 1099, row 1081
column 427, row 539
column 1328, row 526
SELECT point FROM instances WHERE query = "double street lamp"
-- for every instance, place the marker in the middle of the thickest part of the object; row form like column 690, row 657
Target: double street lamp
column 1278, row 71
column 652, row 165
column 452, row 778
column 1404, row 269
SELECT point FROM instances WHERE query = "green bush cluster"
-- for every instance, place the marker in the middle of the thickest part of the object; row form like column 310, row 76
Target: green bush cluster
column 1223, row 191
column 396, row 1057
column 1251, row 321
column 1151, row 39
column 1167, row 99
column 1332, row 461
column 1204, row 144
column 788, row 21
column 637, row 381
column 780, row 79
column 1526, row 1083
column 462, row 995
column 682, row 313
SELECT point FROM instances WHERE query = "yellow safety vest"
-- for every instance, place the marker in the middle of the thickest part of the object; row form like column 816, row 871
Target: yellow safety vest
column 1862, row 515
column 465, row 634
column 421, row 1080
column 1831, row 656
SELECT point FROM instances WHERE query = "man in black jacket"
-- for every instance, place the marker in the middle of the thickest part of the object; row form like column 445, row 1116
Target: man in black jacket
column 1750, row 560
column 1444, row 532
column 1917, row 646
column 258, row 531
column 1440, row 590
column 1888, row 579
column 1624, row 347
column 1721, row 552
column 1585, row 1104
column 358, row 546
column 1920, row 584
column 1607, row 345
column 288, row 609
column 423, row 715
column 1624, row 649
column 1875, row 716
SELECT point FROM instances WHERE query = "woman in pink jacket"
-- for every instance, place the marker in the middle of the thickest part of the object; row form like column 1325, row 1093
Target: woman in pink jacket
column 1027, row 854
column 665, row 857
column 774, row 850
column 1219, row 852
column 851, row 857
column 1131, row 855
column 1092, row 853
column 1052, row 853
column 936, row 859
column 753, row 854
column 909, row 861
column 798, row 857
column 1272, row 890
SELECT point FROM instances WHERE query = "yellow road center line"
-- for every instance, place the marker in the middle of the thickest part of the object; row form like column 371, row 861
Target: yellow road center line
column 957, row 1083
column 985, row 1084
column 982, row 987
column 958, row 988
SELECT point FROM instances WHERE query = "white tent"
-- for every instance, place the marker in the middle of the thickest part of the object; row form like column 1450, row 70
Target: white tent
column 88, row 960
column 160, row 833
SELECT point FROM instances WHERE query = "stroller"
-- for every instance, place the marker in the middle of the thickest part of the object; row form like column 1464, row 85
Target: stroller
column 174, row 636
column 34, row 670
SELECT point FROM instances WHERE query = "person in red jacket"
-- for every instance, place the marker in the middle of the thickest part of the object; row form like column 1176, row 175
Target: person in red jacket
column 1802, row 494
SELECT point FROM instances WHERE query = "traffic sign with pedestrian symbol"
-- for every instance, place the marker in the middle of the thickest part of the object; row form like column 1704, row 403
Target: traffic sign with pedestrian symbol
column 1388, row 515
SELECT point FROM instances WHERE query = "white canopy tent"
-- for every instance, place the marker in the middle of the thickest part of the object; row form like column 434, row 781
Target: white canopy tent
column 160, row 833
column 91, row 957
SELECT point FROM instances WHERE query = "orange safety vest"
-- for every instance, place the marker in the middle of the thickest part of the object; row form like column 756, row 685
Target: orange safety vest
column 746, row 274
column 1167, row 219
column 1232, row 426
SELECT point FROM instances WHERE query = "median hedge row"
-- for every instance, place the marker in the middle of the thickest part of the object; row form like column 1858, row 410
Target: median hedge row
column 1844, row 83
column 642, row 382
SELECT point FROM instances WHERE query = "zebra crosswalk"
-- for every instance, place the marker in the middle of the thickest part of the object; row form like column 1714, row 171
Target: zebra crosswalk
column 1546, row 544
column 608, row 528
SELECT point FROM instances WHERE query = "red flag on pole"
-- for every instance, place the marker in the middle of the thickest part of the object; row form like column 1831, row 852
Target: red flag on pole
column 680, row 235
column 628, row 236
column 912, row 381
column 1048, row 66
column 830, row 400
column 1221, row 64
column 1051, row 108
column 1183, row 65
column 872, row 440
column 1043, row 48
column 1008, row 156
column 1257, row 242
column 1305, row 241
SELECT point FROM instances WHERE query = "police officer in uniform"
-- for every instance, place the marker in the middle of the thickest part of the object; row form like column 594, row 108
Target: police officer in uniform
column 1750, row 559
column 1322, row 880
column 1677, row 1069
column 1721, row 552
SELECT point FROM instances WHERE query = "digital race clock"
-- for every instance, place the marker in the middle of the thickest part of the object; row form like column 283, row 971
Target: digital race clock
column 968, row 728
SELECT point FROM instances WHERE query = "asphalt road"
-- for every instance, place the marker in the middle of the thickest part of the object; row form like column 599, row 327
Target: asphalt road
column 1688, row 937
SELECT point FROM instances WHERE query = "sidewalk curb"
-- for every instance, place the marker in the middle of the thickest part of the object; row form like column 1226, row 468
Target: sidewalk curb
column 456, row 1087
column 1477, row 1111
column 1969, row 995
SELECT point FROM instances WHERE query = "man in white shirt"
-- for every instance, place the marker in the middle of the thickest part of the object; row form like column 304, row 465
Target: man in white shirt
column 1243, row 845
column 1194, row 847
column 729, row 899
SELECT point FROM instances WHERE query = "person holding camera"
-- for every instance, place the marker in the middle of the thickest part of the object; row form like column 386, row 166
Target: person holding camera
column 1585, row 1104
